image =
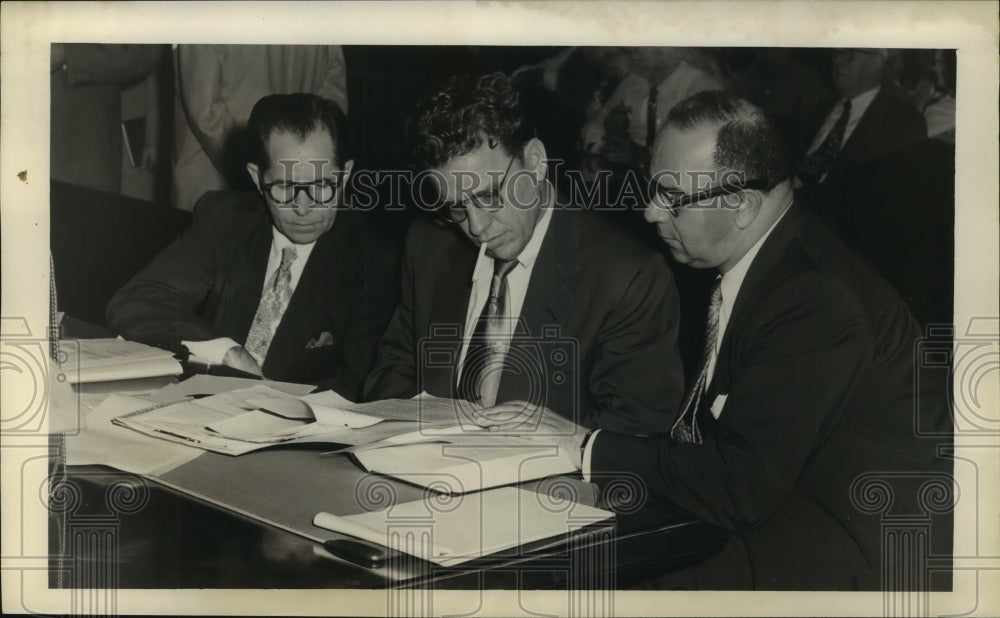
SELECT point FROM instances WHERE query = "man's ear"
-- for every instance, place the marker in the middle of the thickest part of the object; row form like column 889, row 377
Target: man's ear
column 748, row 209
column 254, row 172
column 535, row 159
column 348, row 166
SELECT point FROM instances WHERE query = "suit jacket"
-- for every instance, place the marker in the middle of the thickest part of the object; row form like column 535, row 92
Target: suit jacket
column 887, row 128
column 208, row 283
column 86, row 112
column 599, row 322
column 817, row 369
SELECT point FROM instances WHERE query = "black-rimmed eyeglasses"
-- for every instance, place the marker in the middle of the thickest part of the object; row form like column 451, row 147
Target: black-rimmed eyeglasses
column 321, row 191
column 488, row 200
column 672, row 199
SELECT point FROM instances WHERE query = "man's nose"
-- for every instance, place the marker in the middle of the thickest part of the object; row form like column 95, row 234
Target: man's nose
column 655, row 213
column 478, row 220
column 303, row 203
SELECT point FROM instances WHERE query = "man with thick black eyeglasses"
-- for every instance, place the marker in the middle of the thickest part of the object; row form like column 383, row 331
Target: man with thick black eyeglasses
column 510, row 300
column 286, row 282
column 809, row 396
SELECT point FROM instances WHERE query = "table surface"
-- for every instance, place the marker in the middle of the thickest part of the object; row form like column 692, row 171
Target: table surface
column 178, row 541
column 152, row 535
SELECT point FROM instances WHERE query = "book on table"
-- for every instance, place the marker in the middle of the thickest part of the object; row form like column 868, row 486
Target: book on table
column 102, row 360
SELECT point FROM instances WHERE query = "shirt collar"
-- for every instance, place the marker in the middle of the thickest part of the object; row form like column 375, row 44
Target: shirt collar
column 280, row 241
column 733, row 278
column 860, row 103
column 526, row 259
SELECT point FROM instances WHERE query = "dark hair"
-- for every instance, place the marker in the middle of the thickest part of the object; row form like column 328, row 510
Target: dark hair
column 299, row 114
column 453, row 122
column 747, row 140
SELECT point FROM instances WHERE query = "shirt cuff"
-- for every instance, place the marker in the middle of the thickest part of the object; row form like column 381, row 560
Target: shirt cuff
column 588, row 454
column 212, row 350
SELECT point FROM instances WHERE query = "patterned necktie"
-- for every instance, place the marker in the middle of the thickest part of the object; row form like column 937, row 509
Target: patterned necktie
column 686, row 429
column 813, row 167
column 483, row 365
column 651, row 116
column 273, row 303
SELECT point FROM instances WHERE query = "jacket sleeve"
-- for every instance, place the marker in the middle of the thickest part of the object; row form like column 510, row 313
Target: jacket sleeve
column 798, row 364
column 637, row 379
column 159, row 305
column 394, row 374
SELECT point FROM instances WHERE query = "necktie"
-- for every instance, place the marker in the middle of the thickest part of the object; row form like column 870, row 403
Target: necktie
column 483, row 365
column 273, row 303
column 813, row 167
column 686, row 429
column 651, row 116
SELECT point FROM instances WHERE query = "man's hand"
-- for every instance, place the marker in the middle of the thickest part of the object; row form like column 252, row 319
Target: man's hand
column 238, row 358
column 525, row 419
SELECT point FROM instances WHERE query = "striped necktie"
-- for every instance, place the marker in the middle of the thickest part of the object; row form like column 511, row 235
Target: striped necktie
column 686, row 429
column 484, row 359
column 273, row 303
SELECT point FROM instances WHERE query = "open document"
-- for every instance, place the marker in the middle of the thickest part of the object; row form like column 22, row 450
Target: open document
column 249, row 419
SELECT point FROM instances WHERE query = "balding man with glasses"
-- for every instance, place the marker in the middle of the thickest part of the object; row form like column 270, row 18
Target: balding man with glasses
column 509, row 298
column 284, row 282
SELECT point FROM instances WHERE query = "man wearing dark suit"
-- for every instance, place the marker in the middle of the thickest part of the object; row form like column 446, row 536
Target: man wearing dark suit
column 806, row 388
column 284, row 282
column 864, row 126
column 506, row 299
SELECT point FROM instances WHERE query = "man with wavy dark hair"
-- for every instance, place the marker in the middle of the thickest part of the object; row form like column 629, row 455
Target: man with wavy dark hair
column 507, row 299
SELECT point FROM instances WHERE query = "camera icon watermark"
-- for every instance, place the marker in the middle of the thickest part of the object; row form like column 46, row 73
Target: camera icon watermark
column 36, row 377
column 957, row 371
column 534, row 370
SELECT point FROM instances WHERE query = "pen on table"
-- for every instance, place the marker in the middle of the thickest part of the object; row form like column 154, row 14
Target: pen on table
column 177, row 435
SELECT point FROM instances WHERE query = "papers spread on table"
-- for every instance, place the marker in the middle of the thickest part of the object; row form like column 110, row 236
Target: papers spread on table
column 422, row 441
column 248, row 419
column 105, row 443
column 100, row 360
column 451, row 530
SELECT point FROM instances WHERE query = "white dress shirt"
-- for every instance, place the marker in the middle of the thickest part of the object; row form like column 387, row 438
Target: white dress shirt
column 214, row 350
column 517, row 284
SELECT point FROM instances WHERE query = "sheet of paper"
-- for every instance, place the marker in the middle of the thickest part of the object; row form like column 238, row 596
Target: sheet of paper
column 214, row 385
column 462, row 528
column 425, row 409
column 105, row 443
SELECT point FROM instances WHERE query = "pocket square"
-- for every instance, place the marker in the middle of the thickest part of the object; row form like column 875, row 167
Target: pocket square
column 718, row 404
column 324, row 339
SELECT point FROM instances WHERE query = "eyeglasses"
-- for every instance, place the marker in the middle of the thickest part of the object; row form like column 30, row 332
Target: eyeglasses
column 320, row 191
column 490, row 200
column 674, row 199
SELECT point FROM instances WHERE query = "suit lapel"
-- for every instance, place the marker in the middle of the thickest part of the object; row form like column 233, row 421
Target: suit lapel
column 547, row 302
column 859, row 145
column 761, row 268
column 321, row 287
column 245, row 280
column 448, row 310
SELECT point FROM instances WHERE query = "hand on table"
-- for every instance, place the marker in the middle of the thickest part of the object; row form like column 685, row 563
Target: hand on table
column 526, row 419
column 238, row 358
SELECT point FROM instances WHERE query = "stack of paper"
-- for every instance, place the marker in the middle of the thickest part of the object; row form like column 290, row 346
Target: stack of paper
column 450, row 531
column 101, row 360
